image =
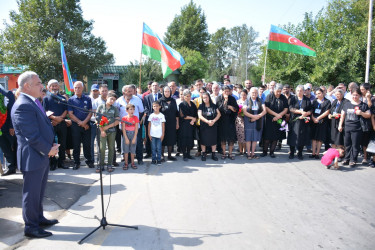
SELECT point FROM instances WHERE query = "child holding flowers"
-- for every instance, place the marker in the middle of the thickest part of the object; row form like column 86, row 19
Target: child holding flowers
column 107, row 126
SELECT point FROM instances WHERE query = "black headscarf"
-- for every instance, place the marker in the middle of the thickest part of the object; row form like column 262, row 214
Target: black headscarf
column 166, row 99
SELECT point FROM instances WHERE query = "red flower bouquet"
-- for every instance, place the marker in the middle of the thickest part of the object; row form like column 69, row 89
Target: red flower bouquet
column 240, row 111
column 3, row 112
column 103, row 122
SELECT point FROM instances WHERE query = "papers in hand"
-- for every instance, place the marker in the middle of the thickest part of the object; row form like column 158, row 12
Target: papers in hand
column 49, row 113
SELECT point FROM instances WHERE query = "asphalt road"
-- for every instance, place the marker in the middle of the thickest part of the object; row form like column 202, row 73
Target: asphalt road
column 241, row 204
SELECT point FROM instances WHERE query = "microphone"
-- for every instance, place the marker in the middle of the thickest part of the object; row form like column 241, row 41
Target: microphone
column 56, row 97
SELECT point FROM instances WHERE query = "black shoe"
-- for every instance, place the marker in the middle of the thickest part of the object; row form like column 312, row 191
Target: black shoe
column 62, row 165
column 371, row 164
column 213, row 156
column 37, row 233
column 158, row 163
column 48, row 222
column 300, row 157
column 90, row 165
column 203, row 157
column 317, row 157
column 153, row 162
column 9, row 172
column 76, row 166
column 177, row 154
column 272, row 155
column 140, row 162
column 263, row 154
column 190, row 157
column 312, row 156
column 115, row 164
column 171, row 158
column 291, row 156
column 147, row 156
column 345, row 162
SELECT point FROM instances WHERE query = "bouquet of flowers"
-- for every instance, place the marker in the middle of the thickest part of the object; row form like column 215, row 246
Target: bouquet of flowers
column 336, row 116
column 306, row 119
column 240, row 111
column 103, row 122
column 3, row 111
column 283, row 124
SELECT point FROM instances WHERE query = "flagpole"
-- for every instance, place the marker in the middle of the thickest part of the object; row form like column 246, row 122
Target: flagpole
column 265, row 64
column 369, row 42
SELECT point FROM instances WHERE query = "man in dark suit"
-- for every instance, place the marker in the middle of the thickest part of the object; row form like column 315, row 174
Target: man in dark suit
column 8, row 141
column 147, row 103
column 35, row 145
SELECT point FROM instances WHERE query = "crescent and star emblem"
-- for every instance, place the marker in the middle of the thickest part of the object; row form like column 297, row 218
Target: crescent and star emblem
column 292, row 40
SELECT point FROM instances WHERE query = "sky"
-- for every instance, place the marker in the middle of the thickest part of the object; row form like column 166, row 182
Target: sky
column 120, row 22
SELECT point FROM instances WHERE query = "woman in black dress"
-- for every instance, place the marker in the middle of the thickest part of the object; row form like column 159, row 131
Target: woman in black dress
column 169, row 109
column 299, row 128
column 319, row 125
column 188, row 116
column 277, row 107
column 337, row 137
column 208, row 114
column 351, row 115
column 228, row 108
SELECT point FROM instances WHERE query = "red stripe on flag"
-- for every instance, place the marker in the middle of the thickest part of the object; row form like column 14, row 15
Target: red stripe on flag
column 287, row 39
column 166, row 56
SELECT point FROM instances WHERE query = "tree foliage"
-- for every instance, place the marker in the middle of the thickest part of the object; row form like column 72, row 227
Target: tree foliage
column 339, row 36
column 195, row 66
column 32, row 39
column 218, row 54
column 189, row 29
column 244, row 51
column 151, row 71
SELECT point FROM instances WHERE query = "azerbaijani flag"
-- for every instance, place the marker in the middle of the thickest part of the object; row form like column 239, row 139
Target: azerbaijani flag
column 155, row 48
column 281, row 40
column 67, row 78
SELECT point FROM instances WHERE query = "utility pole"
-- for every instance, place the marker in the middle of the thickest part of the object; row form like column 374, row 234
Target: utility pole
column 369, row 41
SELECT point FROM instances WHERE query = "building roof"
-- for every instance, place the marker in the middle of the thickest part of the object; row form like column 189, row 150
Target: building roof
column 115, row 69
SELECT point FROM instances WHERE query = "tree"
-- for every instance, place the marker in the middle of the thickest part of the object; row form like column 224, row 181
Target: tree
column 243, row 51
column 195, row 66
column 338, row 34
column 32, row 39
column 151, row 71
column 218, row 54
column 189, row 29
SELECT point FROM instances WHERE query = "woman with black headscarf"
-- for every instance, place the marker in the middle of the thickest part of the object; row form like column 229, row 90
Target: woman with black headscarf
column 169, row 110
column 228, row 108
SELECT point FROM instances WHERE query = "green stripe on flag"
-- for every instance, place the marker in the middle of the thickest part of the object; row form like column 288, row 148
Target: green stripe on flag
column 290, row 48
column 151, row 52
column 156, row 55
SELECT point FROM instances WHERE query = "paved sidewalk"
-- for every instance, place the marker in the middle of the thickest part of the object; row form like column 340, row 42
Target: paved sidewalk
column 258, row 204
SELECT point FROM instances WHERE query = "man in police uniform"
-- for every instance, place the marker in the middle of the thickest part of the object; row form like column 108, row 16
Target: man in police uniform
column 80, row 125
column 58, row 122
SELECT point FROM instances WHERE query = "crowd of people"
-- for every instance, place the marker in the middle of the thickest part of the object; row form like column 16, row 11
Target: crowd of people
column 168, row 121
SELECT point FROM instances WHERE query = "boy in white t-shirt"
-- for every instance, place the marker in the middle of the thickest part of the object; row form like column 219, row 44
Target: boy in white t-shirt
column 156, row 127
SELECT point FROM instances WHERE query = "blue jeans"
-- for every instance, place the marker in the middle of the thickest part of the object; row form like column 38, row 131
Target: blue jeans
column 156, row 149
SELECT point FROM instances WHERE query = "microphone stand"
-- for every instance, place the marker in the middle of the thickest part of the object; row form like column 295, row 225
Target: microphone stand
column 103, row 221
